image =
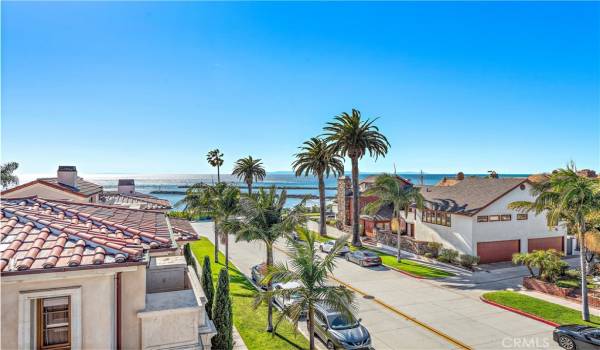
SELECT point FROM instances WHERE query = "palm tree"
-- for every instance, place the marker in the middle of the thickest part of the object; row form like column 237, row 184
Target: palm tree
column 353, row 137
column 215, row 159
column 567, row 198
column 265, row 220
column 249, row 170
column 222, row 203
column 7, row 170
column 316, row 158
column 310, row 270
column 392, row 192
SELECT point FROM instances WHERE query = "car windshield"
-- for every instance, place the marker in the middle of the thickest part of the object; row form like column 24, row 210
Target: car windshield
column 339, row 321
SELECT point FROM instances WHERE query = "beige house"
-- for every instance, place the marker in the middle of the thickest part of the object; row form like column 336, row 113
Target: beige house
column 93, row 276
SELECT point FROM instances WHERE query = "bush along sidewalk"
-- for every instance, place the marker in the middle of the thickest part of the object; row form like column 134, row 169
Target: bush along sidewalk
column 207, row 285
column 223, row 315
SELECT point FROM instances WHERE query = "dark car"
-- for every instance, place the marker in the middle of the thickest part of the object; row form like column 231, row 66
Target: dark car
column 340, row 332
column 258, row 272
column 578, row 337
column 364, row 258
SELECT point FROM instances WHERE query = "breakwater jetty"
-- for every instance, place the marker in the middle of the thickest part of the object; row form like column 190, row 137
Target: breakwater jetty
column 308, row 196
column 278, row 187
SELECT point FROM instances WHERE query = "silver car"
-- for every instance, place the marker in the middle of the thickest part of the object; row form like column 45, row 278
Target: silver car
column 282, row 302
column 340, row 332
column 327, row 246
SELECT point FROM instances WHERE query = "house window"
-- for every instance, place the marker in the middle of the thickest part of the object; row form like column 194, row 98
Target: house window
column 54, row 323
column 482, row 218
column 521, row 216
column 506, row 217
column 436, row 217
column 494, row 218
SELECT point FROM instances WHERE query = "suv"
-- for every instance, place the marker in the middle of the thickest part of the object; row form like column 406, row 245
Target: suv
column 340, row 332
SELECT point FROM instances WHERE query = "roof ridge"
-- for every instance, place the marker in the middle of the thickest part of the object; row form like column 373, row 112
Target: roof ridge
column 95, row 205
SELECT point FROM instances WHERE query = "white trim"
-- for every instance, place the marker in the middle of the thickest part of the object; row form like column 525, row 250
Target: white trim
column 26, row 299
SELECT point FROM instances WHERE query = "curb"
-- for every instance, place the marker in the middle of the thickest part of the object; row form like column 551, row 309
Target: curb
column 520, row 312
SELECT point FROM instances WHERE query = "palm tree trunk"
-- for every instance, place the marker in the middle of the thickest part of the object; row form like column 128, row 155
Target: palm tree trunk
column 249, row 188
column 218, row 174
column 355, row 209
column 311, row 327
column 216, row 242
column 322, row 227
column 585, row 309
column 399, row 255
column 269, row 288
column 227, row 252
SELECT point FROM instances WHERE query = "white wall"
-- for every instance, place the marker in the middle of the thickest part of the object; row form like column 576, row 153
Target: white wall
column 533, row 227
column 457, row 237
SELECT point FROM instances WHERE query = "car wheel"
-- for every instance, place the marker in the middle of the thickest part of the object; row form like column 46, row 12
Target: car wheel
column 330, row 345
column 362, row 263
column 566, row 342
column 347, row 257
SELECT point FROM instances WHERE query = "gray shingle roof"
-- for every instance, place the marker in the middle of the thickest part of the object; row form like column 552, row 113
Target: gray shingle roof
column 468, row 196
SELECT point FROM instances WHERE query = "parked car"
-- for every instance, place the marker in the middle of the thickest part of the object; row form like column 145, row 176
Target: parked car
column 258, row 273
column 578, row 337
column 364, row 258
column 338, row 331
column 328, row 245
column 282, row 302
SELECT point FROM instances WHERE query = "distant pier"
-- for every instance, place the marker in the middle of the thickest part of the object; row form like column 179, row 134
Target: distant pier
column 308, row 196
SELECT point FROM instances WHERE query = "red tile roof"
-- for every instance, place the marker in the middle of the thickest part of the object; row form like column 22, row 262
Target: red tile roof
column 37, row 234
column 84, row 188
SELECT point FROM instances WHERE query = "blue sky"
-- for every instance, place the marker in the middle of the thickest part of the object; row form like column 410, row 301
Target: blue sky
column 151, row 87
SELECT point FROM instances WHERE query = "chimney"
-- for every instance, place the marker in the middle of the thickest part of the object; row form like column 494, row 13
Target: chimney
column 126, row 186
column 460, row 176
column 67, row 175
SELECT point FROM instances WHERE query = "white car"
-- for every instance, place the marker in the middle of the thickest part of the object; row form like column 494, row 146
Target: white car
column 285, row 302
column 328, row 245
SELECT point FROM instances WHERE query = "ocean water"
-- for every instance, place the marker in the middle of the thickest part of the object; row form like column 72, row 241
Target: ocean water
column 147, row 183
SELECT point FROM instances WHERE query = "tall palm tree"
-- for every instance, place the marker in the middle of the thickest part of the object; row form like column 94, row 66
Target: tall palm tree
column 222, row 203
column 215, row 159
column 7, row 170
column 249, row 170
column 567, row 198
column 264, row 219
column 353, row 137
column 391, row 191
column 310, row 270
column 316, row 158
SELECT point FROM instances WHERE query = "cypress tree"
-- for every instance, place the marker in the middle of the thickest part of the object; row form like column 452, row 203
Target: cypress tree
column 208, row 286
column 223, row 317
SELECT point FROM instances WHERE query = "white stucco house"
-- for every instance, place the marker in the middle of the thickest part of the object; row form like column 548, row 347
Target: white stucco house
column 472, row 216
column 80, row 275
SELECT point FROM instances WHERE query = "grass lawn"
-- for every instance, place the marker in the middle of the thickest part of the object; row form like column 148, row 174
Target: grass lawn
column 249, row 322
column 574, row 283
column 406, row 265
column 541, row 308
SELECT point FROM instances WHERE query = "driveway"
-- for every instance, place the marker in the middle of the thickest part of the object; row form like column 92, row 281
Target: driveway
column 456, row 312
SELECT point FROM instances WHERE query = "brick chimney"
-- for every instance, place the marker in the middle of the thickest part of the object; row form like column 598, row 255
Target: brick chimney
column 126, row 186
column 460, row 176
column 67, row 175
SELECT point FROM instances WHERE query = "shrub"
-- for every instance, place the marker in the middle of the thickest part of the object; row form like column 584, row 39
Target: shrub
column 448, row 255
column 428, row 255
column 548, row 262
column 434, row 248
column 223, row 315
column 572, row 274
column 207, row 285
column 468, row 260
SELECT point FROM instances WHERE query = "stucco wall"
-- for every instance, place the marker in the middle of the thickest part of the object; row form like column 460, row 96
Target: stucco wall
column 133, row 289
column 45, row 192
column 458, row 236
column 97, row 313
column 533, row 227
column 98, row 305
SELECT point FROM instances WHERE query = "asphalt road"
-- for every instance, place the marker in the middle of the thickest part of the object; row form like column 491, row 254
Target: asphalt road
column 388, row 294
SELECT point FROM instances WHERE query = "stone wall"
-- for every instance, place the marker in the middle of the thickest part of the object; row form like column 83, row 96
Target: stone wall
column 573, row 294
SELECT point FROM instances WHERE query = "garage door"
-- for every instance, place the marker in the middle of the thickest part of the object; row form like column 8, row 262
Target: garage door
column 545, row 243
column 490, row 252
